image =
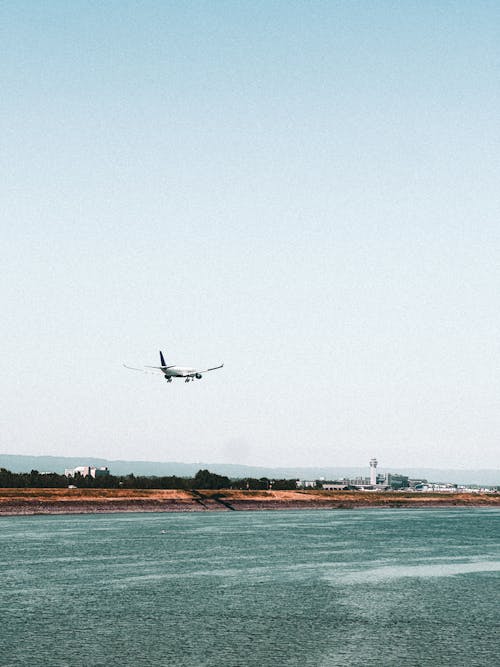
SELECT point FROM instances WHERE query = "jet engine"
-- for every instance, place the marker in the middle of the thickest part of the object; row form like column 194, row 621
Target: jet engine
column 198, row 376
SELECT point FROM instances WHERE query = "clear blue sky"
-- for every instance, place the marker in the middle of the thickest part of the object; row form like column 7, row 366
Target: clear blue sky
column 307, row 191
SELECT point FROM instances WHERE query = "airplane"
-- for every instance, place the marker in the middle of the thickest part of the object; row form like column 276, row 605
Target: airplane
column 170, row 372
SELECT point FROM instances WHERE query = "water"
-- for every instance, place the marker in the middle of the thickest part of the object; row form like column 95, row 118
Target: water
column 317, row 588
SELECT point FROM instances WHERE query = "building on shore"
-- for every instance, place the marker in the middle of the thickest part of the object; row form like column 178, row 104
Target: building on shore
column 307, row 484
column 375, row 482
column 87, row 471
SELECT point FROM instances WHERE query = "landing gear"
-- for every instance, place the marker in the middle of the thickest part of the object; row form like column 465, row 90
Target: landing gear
column 187, row 380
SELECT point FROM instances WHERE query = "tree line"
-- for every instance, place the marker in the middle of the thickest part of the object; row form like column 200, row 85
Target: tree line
column 204, row 479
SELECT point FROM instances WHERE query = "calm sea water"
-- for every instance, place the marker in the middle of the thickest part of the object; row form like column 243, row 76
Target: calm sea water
column 318, row 588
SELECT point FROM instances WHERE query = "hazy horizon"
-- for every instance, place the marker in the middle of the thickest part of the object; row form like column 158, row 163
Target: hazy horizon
column 25, row 463
column 84, row 457
column 307, row 192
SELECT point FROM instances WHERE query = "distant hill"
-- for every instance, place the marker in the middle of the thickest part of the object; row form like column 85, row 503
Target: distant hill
column 58, row 464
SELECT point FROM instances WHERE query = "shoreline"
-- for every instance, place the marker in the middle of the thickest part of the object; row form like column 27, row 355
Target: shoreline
column 22, row 502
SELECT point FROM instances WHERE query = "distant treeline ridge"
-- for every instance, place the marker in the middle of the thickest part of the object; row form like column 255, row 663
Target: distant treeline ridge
column 204, row 479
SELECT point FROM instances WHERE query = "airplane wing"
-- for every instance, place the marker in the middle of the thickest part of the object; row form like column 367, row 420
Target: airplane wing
column 214, row 368
column 142, row 370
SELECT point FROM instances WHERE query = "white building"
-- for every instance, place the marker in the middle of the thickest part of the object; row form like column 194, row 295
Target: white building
column 87, row 471
column 306, row 484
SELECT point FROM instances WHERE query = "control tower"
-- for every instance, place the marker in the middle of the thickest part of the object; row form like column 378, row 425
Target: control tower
column 373, row 471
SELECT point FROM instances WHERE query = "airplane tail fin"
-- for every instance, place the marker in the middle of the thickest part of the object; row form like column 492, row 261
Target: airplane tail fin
column 162, row 360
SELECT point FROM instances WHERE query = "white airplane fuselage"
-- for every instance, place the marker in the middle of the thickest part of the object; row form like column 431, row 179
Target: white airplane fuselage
column 179, row 371
column 169, row 372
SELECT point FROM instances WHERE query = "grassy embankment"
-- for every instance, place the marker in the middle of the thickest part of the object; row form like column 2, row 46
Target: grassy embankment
column 62, row 501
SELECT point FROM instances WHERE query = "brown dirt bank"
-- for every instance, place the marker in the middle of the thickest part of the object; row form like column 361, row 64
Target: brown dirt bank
column 72, row 501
